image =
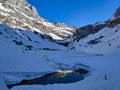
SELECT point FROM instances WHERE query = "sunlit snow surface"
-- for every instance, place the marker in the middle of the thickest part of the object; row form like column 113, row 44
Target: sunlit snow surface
column 49, row 61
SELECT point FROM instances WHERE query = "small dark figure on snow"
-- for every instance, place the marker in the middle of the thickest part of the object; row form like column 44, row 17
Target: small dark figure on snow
column 105, row 77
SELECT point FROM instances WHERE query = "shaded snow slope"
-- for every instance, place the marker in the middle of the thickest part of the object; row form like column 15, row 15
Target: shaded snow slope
column 105, row 41
column 2, row 84
column 16, row 65
column 101, row 37
column 49, row 61
column 27, row 40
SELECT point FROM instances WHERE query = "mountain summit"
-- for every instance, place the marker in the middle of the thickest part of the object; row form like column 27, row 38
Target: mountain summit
column 20, row 14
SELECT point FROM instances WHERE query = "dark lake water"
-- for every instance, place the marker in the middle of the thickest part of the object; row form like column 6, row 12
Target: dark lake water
column 69, row 78
column 55, row 78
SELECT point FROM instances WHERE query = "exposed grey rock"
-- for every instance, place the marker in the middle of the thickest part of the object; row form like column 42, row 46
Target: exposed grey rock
column 114, row 22
column 117, row 13
column 98, row 27
column 87, row 30
column 58, row 24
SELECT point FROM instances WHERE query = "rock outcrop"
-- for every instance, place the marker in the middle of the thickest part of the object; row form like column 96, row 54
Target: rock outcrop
column 117, row 13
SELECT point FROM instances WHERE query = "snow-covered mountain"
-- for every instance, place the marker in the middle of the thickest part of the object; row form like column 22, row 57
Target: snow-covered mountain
column 102, row 37
column 21, row 25
column 20, row 14
column 26, row 39
column 31, row 48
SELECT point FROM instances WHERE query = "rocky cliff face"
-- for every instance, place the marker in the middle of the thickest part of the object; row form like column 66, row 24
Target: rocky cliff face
column 116, row 19
column 20, row 14
column 117, row 13
column 87, row 30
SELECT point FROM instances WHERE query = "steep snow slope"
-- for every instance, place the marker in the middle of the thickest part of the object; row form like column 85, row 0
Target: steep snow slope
column 20, row 14
column 27, row 40
column 98, row 38
column 105, row 41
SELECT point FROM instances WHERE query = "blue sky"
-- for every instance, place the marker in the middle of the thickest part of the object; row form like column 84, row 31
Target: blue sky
column 75, row 12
